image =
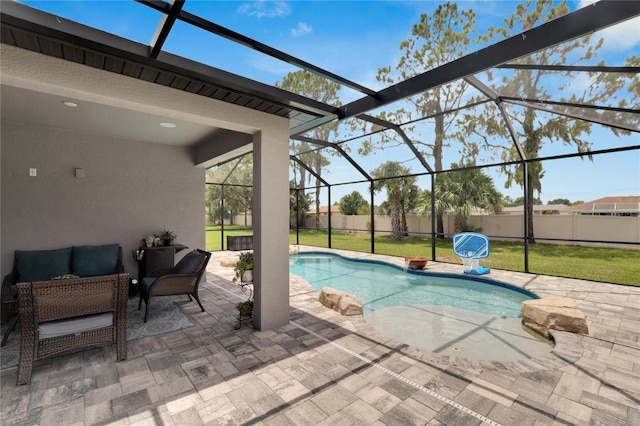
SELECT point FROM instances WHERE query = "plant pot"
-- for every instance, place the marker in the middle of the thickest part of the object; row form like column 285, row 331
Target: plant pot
column 247, row 276
column 245, row 309
column 416, row 262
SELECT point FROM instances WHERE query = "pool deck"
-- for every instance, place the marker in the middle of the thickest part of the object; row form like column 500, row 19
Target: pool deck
column 325, row 369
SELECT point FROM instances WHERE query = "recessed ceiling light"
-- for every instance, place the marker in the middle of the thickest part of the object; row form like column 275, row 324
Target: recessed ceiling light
column 167, row 125
column 70, row 104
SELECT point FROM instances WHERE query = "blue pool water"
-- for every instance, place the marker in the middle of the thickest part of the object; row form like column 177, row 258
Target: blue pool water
column 379, row 285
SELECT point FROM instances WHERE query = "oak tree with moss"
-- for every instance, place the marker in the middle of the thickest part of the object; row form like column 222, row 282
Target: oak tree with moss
column 608, row 95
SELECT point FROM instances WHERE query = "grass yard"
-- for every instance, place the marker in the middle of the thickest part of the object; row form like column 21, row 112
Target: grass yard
column 612, row 265
column 212, row 235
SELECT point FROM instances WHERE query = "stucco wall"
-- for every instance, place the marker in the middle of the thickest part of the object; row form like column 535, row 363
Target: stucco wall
column 130, row 189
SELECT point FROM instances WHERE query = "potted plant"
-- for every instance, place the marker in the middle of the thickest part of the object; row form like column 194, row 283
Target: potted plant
column 245, row 309
column 244, row 268
column 167, row 237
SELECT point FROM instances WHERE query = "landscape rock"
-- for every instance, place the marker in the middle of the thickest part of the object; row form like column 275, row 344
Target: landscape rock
column 340, row 301
column 229, row 262
column 553, row 313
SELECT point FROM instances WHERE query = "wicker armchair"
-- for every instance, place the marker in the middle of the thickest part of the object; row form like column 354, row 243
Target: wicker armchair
column 184, row 278
column 60, row 316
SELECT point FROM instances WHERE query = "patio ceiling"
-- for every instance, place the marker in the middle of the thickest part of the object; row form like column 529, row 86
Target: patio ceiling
column 48, row 34
column 32, row 29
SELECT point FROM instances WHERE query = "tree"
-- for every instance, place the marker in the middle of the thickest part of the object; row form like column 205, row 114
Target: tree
column 519, row 201
column 437, row 39
column 350, row 204
column 564, row 201
column 236, row 177
column 459, row 191
column 319, row 88
column 238, row 189
column 213, row 194
column 239, row 199
column 534, row 128
column 299, row 203
column 394, row 187
column 383, row 209
column 408, row 202
column 364, row 209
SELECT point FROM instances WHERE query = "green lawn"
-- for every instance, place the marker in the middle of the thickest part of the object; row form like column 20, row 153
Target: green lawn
column 612, row 265
column 212, row 235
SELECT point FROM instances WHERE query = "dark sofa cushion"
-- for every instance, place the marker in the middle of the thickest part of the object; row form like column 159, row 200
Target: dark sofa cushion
column 42, row 265
column 92, row 261
column 190, row 264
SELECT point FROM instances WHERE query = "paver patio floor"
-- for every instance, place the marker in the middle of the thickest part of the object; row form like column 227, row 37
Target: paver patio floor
column 325, row 369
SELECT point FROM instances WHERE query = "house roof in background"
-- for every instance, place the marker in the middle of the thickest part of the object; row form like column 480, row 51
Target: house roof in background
column 626, row 204
column 610, row 204
column 325, row 210
column 538, row 208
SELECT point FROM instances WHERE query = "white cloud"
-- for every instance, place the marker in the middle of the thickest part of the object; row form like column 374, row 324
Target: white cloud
column 270, row 66
column 622, row 36
column 585, row 3
column 301, row 29
column 263, row 8
column 618, row 37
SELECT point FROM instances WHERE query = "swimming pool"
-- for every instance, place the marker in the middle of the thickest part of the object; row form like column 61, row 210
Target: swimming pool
column 380, row 285
column 459, row 316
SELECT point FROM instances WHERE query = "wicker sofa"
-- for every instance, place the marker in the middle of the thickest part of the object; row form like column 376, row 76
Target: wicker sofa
column 68, row 299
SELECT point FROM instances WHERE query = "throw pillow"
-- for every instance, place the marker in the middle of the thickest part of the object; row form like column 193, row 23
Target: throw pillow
column 65, row 277
column 41, row 265
column 93, row 261
column 190, row 264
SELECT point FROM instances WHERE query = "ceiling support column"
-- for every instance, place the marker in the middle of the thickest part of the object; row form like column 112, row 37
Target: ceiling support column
column 271, row 228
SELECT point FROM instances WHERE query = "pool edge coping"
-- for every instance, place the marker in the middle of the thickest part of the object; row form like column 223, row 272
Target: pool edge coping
column 567, row 347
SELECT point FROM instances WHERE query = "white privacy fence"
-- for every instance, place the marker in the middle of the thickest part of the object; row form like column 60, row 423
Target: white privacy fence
column 569, row 227
column 563, row 227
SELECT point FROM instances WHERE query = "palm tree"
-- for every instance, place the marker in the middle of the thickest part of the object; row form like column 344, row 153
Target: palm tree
column 409, row 193
column 460, row 191
column 395, row 189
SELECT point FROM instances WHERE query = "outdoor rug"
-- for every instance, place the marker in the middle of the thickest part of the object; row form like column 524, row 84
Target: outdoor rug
column 164, row 316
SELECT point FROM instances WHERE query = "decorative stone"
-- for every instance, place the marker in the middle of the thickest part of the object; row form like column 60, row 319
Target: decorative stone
column 553, row 313
column 229, row 262
column 340, row 301
column 330, row 297
column 416, row 262
column 349, row 305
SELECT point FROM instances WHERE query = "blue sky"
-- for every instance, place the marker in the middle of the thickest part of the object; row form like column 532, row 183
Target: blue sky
column 354, row 39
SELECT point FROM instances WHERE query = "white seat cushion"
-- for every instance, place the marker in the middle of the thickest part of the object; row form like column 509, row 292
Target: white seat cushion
column 65, row 327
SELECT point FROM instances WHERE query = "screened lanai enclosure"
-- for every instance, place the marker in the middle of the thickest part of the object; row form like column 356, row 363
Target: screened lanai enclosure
column 528, row 134
column 519, row 119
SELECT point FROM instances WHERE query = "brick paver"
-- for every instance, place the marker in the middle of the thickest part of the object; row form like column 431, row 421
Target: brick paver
column 306, row 373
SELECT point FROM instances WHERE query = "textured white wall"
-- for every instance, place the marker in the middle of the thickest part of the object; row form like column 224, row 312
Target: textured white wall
column 271, row 228
column 129, row 190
